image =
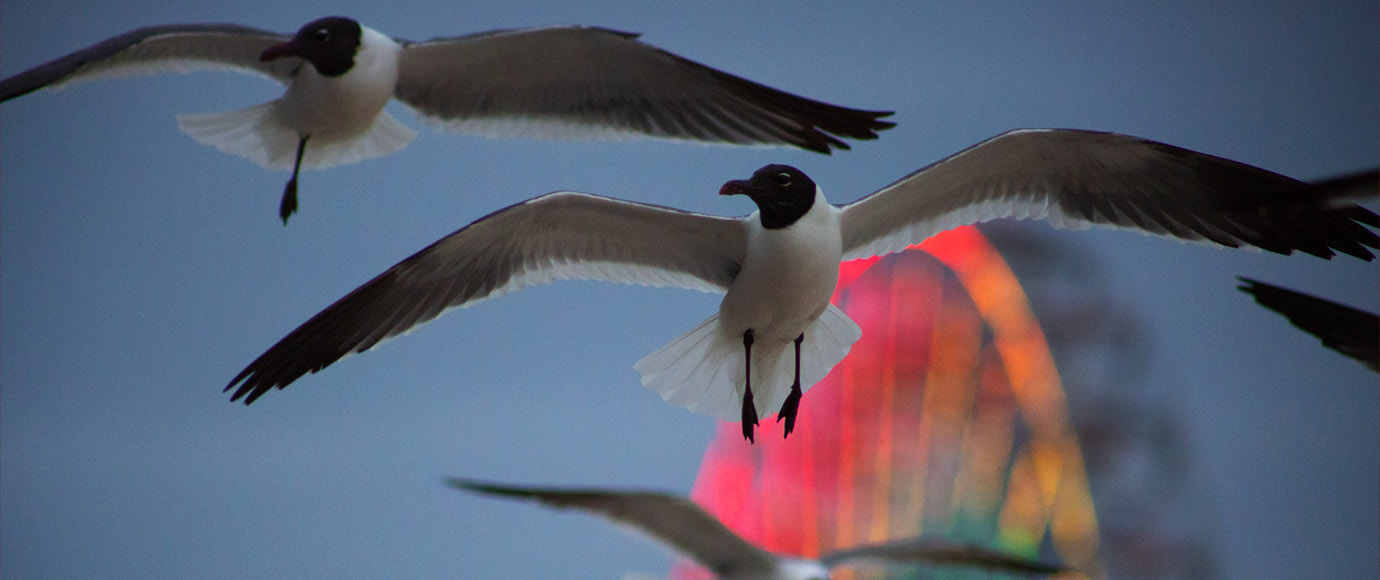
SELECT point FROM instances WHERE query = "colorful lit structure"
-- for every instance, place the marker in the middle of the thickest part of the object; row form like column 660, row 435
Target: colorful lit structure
column 948, row 417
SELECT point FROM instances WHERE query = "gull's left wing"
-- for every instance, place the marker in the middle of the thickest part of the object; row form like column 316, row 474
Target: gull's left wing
column 579, row 82
column 1077, row 179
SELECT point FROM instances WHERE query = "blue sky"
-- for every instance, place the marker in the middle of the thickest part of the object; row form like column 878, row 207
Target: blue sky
column 139, row 271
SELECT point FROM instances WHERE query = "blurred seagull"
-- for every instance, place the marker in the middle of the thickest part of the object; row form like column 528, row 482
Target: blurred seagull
column 686, row 528
column 779, row 265
column 1352, row 332
column 559, row 82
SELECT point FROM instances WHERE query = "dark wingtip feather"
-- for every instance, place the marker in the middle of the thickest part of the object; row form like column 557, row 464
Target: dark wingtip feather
column 1313, row 218
column 811, row 125
column 1361, row 215
column 490, row 488
column 1349, row 331
column 14, row 87
column 471, row 485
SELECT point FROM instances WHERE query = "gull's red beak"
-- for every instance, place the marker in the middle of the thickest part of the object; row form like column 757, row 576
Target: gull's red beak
column 736, row 187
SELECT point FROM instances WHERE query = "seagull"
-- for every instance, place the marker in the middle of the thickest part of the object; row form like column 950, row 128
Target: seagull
column 1352, row 332
column 557, row 82
column 688, row 529
column 777, row 267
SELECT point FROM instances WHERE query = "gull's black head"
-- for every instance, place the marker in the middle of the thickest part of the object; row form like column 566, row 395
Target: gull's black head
column 329, row 44
column 782, row 193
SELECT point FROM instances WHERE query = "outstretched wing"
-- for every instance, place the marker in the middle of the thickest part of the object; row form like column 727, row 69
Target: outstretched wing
column 157, row 49
column 935, row 551
column 574, row 82
column 562, row 235
column 673, row 520
column 1077, row 179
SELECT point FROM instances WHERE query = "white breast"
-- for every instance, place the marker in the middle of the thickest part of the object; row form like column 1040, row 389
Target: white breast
column 331, row 108
column 787, row 277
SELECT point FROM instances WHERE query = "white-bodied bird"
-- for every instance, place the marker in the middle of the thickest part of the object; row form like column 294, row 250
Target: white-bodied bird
column 686, row 528
column 779, row 265
column 559, row 82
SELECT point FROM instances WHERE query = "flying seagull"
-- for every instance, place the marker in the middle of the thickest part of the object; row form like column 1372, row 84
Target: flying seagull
column 688, row 529
column 1352, row 332
column 559, row 82
column 778, row 266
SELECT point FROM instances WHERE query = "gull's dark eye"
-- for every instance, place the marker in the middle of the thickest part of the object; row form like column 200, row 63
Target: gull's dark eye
column 321, row 35
column 783, row 179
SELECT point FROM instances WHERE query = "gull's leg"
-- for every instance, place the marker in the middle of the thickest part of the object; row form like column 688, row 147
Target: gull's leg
column 792, row 404
column 749, row 409
column 289, row 204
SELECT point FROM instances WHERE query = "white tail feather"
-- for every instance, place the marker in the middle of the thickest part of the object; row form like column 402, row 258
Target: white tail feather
column 261, row 134
column 702, row 370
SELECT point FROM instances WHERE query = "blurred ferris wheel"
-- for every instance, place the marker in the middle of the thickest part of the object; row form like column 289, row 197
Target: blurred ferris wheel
column 948, row 418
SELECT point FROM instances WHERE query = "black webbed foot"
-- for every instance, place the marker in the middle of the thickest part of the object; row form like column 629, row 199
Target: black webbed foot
column 749, row 408
column 289, row 203
column 789, row 409
column 792, row 404
column 749, row 416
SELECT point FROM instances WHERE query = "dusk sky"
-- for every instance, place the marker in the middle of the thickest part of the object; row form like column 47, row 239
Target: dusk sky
column 140, row 271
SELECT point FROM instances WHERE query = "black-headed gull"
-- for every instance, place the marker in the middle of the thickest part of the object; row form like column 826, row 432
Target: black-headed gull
column 1352, row 332
column 778, row 266
column 686, row 528
column 559, row 82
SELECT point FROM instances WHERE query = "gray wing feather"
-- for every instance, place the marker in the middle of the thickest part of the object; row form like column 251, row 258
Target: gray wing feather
column 562, row 235
column 158, row 49
column 935, row 551
column 573, row 82
column 1077, row 179
column 672, row 520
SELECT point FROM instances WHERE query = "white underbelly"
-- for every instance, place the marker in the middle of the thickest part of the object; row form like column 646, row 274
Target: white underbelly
column 786, row 281
column 329, row 108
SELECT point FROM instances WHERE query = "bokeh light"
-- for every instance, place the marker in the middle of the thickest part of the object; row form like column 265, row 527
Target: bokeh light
column 947, row 418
